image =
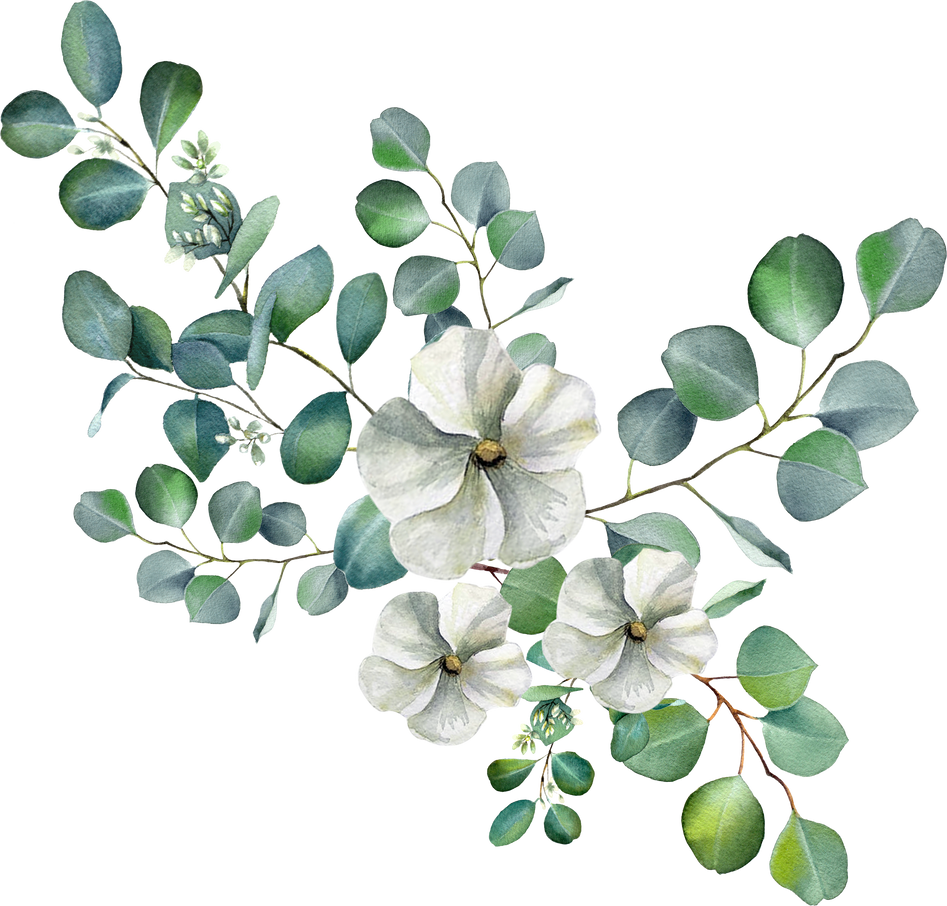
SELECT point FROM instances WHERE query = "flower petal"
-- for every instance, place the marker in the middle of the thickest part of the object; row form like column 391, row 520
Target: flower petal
column 408, row 466
column 592, row 597
column 682, row 643
column 392, row 688
column 659, row 584
column 464, row 381
column 542, row 511
column 549, row 421
column 473, row 619
column 450, row 717
column 635, row 685
column 407, row 631
column 575, row 653
column 496, row 678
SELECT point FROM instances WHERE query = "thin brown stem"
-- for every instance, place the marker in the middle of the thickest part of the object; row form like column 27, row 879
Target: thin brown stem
column 256, row 405
column 348, row 389
column 210, row 558
column 241, row 299
column 138, row 159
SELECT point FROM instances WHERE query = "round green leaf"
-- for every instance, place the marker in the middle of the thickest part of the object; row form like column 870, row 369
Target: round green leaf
column 532, row 349
column 516, row 240
column 228, row 330
column 436, row 324
column 391, row 213
column 773, row 668
column 284, row 524
column 796, row 290
column 757, row 547
column 111, row 389
column 91, row 52
column 676, row 738
column 302, row 288
column 314, row 444
column 818, row 474
column 104, row 515
column 479, row 192
column 235, row 512
column 99, row 193
column 532, row 593
column 713, row 371
column 361, row 311
column 723, row 824
column 151, row 339
column 169, row 94
column 731, row 596
column 201, row 365
column 805, row 739
column 562, row 824
column 321, row 589
column 35, row 124
column 512, row 822
column 267, row 617
column 658, row 530
column 900, row 269
column 868, row 402
column 166, row 495
column 810, row 860
column 96, row 318
column 655, row 427
column 362, row 549
column 507, row 774
column 630, row 735
column 425, row 285
column 211, row 599
column 400, row 141
column 191, row 427
column 572, row 773
column 163, row 577
column 249, row 238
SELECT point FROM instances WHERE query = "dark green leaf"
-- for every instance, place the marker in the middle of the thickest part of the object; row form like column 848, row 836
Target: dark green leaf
column 104, row 515
column 533, row 593
column 191, row 427
column 235, row 512
column 91, row 52
column 810, row 860
column 113, row 387
column 436, row 324
column 211, row 599
column 532, row 348
column 169, row 94
column 425, row 285
column 267, row 618
column 507, row 774
column 391, row 213
column 183, row 222
column 360, row 315
column 479, row 192
column 655, row 427
column 302, row 288
column 259, row 341
column 163, row 577
column 804, row 739
column 284, row 524
column 314, row 444
column 630, row 734
column 548, row 693
column 228, row 330
column 151, row 339
column 676, row 738
column 731, row 596
column 99, row 193
column 512, row 822
column 657, row 530
column 543, row 298
column 572, row 773
column 400, row 141
column 96, row 318
column 757, row 547
column 166, row 495
column 773, row 668
column 249, row 238
column 723, row 824
column 817, row 474
column 321, row 589
column 35, row 124
column 201, row 365
column 362, row 549
column 516, row 241
column 535, row 656
column 562, row 824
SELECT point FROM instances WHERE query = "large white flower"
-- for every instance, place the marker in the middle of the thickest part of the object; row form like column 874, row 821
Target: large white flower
column 442, row 665
column 627, row 632
column 479, row 463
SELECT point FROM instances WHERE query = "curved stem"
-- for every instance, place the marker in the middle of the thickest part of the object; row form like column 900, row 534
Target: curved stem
column 326, row 369
column 210, row 558
column 241, row 298
column 140, row 162
column 256, row 405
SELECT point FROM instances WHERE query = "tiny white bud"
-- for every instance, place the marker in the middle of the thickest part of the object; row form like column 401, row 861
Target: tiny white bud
column 201, row 218
column 189, row 261
column 219, row 208
column 234, row 422
column 212, row 234
column 201, row 202
column 257, row 455
column 75, row 149
column 188, row 237
column 264, row 438
column 174, row 253
column 88, row 117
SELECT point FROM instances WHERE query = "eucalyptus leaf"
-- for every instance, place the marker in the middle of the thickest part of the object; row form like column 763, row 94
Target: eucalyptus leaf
column 804, row 739
column 572, row 773
column 259, row 341
column 391, row 213
column 113, row 387
column 201, row 365
column 235, row 512
column 630, row 734
column 818, row 474
column 479, row 192
column 249, row 238
column 773, row 668
column 810, row 860
column 425, row 285
column 211, row 599
column 151, row 339
column 169, row 94
column 723, row 824
column 302, row 288
column 91, row 52
column 36, row 124
column 180, row 218
column 532, row 594
column 655, row 427
column 562, row 824
column 400, row 141
column 731, row 596
column 362, row 549
column 677, row 732
column 191, row 427
column 166, row 495
column 314, row 443
column 95, row 317
column 436, row 324
column 532, row 349
column 321, row 589
column 516, row 240
column 267, row 618
column 98, row 193
column 551, row 719
column 163, row 577
column 229, row 330
column 543, row 298
column 104, row 515
column 360, row 315
column 655, row 530
column 535, row 656
column 507, row 774
column 512, row 822
column 757, row 547
column 284, row 524
column 548, row 693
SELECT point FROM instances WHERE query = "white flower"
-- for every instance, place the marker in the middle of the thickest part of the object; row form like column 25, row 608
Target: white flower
column 627, row 632
column 479, row 463
column 442, row 665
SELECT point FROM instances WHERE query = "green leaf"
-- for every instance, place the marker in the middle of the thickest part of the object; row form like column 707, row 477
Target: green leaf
column 151, row 339
column 180, row 221
column 425, row 285
column 191, row 427
column 630, row 734
column 804, row 739
column 436, row 324
column 657, row 530
column 731, row 596
column 535, row 656
column 96, row 318
column 35, row 124
column 655, row 427
column 796, row 290
column 507, row 774
column 572, row 773
column 818, row 474
column 259, row 341
column 235, row 512
column 810, row 860
column 713, row 371
column 757, row 547
column 773, row 668
column 552, row 727
column 676, row 738
column 284, row 524
column 113, row 387
column 166, row 495
column 302, row 288
column 360, row 315
column 532, row 348
column 201, row 365
column 91, row 52
column 314, row 444
column 533, row 593
column 479, row 192
column 391, row 213
column 548, row 693
column 868, row 402
column 543, row 298
column 362, row 549
column 211, row 599
column 229, row 330
column 169, row 94
column 400, row 141
column 163, row 577
column 267, row 618
column 249, row 238
column 900, row 269
column 104, row 515
column 516, row 241
column 512, row 822
column 723, row 824
column 562, row 824
column 99, row 193
column 321, row 589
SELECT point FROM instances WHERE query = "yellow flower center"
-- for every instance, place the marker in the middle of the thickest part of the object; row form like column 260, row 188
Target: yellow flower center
column 636, row 631
column 489, row 454
column 451, row 664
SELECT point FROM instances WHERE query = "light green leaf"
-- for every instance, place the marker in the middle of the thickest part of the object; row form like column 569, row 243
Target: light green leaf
column 630, row 734
column 512, row 822
column 391, row 213
column 284, row 524
column 151, row 339
column 163, row 577
column 191, row 427
column 229, row 330
column 655, row 427
column 400, row 141
column 166, row 495
column 98, row 193
column 361, row 311
column 507, row 774
column 313, row 445
column 810, row 860
column 104, row 515
column 362, row 549
column 572, row 773
column 211, row 599
column 201, row 365
column 259, row 341
column 113, row 387
column 818, row 474
column 250, row 237
column 656, row 530
column 796, row 290
column 757, row 547
column 543, row 298
column 532, row 593
column 302, row 288
column 900, row 269
column 235, row 512
column 723, row 824
column 91, row 52
column 868, row 402
column 731, row 596
column 479, row 192
column 562, row 824
column 267, row 619
column 773, row 668
column 516, row 240
column 804, row 739
column 436, row 324
column 35, row 124
column 321, row 589
column 532, row 348
column 96, row 318
column 169, row 94
column 677, row 733
column 713, row 371
column 548, row 693
column 425, row 285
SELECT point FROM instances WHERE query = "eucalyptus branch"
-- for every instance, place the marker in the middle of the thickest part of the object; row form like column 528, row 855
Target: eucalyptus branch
column 256, row 406
column 138, row 159
column 210, row 558
column 326, row 369
column 241, row 297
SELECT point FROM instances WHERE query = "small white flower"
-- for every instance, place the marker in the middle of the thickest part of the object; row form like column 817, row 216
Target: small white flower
column 627, row 632
column 442, row 665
